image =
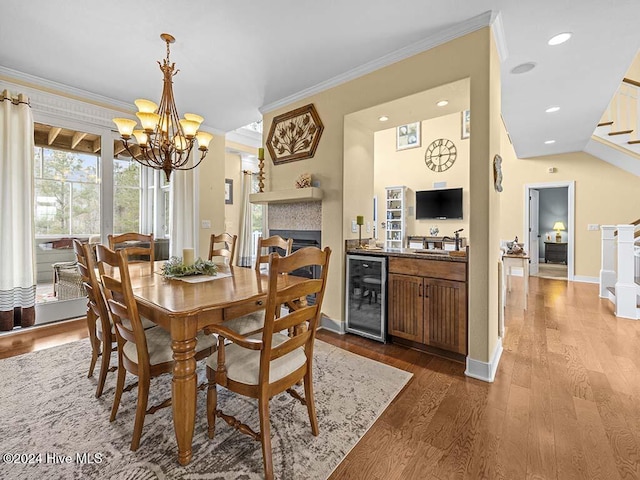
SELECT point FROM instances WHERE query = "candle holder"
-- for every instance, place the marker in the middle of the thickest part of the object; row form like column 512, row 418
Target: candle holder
column 261, row 170
column 360, row 222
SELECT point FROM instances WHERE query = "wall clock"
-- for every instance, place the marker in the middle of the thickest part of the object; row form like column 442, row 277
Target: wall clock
column 440, row 155
column 497, row 173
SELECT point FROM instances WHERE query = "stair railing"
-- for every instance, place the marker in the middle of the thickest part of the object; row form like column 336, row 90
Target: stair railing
column 626, row 291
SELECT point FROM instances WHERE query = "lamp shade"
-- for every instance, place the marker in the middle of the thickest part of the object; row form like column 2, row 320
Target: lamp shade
column 125, row 126
column 559, row 226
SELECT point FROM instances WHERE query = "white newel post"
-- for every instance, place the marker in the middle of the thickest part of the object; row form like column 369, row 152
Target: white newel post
column 608, row 261
column 626, row 305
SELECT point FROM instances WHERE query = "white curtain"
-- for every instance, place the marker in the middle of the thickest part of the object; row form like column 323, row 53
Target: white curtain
column 245, row 246
column 17, row 241
column 182, row 211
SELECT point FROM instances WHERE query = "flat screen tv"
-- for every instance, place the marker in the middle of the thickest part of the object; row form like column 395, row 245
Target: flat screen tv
column 442, row 204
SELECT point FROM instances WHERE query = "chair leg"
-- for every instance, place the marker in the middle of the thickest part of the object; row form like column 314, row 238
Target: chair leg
column 265, row 436
column 311, row 402
column 141, row 410
column 104, row 368
column 212, row 405
column 122, row 373
column 95, row 353
column 95, row 342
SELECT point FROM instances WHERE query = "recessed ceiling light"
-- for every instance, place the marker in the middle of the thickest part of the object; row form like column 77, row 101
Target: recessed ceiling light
column 443, row 103
column 383, row 118
column 523, row 68
column 549, row 142
column 560, row 38
column 555, row 108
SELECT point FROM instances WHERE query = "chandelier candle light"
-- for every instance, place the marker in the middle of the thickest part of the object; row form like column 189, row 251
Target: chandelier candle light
column 165, row 140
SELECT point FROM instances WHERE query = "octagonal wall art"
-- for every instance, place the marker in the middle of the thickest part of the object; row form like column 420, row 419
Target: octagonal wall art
column 294, row 135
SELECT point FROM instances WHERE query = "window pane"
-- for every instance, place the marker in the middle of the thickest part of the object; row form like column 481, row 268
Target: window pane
column 126, row 196
column 85, row 209
column 52, row 207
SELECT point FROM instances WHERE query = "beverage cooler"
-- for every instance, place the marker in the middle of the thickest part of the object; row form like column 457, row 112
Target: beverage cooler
column 366, row 305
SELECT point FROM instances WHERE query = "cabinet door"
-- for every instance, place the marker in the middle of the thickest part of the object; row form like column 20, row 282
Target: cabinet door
column 406, row 307
column 446, row 315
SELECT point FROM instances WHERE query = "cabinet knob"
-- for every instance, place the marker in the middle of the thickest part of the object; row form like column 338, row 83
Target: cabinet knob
column 420, row 290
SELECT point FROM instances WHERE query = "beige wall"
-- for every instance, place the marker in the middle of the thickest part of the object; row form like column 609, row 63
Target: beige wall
column 211, row 175
column 466, row 57
column 408, row 168
column 358, row 174
column 233, row 170
column 604, row 195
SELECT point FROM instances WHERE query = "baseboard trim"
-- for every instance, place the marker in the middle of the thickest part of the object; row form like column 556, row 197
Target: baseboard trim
column 482, row 370
column 583, row 279
column 332, row 325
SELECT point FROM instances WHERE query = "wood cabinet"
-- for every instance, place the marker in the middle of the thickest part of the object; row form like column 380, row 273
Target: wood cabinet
column 427, row 303
column 555, row 252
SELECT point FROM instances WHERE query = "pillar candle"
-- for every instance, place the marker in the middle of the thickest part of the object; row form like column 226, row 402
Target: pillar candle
column 360, row 220
column 261, row 154
column 187, row 256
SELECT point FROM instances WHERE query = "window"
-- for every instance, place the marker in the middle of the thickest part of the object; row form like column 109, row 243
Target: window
column 67, row 193
column 127, row 193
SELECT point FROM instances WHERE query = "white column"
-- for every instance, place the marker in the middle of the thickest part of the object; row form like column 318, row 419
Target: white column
column 608, row 260
column 626, row 297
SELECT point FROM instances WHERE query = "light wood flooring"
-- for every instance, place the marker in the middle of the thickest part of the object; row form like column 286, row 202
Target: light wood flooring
column 565, row 403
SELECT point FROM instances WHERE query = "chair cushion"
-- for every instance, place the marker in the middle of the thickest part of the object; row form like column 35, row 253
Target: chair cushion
column 159, row 346
column 247, row 323
column 243, row 365
column 146, row 323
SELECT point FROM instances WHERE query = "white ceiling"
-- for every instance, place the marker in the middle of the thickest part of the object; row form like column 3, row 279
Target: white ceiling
column 236, row 57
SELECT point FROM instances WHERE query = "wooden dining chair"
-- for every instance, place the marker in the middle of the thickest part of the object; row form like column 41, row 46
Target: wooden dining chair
column 253, row 322
column 271, row 243
column 137, row 244
column 101, row 335
column 265, row 364
column 228, row 249
column 144, row 353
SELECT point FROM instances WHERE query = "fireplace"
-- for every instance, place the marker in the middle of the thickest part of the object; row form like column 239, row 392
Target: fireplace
column 301, row 239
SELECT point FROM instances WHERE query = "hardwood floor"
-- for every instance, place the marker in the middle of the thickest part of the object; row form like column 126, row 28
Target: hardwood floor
column 565, row 403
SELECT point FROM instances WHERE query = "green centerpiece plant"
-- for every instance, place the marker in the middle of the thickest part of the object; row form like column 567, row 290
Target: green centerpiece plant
column 175, row 268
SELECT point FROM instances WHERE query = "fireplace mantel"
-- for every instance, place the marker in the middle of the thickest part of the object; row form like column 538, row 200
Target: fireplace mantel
column 294, row 195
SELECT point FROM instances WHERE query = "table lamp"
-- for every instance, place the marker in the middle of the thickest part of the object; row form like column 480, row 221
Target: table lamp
column 557, row 227
column 360, row 222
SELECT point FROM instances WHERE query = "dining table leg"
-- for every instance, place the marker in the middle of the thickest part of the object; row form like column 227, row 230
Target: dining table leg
column 183, row 389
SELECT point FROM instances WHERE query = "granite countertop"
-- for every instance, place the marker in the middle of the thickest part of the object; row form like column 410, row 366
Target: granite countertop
column 406, row 252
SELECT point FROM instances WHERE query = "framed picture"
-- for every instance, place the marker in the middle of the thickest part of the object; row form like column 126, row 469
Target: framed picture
column 466, row 124
column 408, row 136
column 228, row 191
column 294, row 135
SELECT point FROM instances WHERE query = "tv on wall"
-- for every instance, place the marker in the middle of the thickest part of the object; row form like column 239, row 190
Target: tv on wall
column 441, row 204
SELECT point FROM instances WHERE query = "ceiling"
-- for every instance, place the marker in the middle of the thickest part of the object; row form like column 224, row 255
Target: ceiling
column 237, row 57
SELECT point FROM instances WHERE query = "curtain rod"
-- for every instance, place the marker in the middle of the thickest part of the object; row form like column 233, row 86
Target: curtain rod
column 22, row 98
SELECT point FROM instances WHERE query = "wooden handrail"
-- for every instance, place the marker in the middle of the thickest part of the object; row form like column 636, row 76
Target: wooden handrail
column 634, row 223
column 631, row 82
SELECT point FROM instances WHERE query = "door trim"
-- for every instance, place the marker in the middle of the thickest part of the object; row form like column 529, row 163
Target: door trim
column 570, row 184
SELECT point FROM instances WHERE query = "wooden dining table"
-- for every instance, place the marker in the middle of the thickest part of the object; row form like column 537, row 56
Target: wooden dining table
column 184, row 309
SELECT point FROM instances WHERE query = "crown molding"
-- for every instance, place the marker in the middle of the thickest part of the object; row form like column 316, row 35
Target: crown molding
column 40, row 83
column 463, row 28
column 497, row 28
column 56, row 100
column 244, row 136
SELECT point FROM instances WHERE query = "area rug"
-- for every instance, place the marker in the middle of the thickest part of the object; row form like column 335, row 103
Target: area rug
column 52, row 426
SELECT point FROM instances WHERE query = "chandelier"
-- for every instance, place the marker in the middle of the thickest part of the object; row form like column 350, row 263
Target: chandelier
column 165, row 140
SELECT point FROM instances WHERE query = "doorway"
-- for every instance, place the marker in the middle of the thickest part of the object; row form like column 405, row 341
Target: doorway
column 549, row 229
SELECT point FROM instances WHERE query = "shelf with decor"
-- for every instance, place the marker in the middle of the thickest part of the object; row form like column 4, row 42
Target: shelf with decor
column 395, row 206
